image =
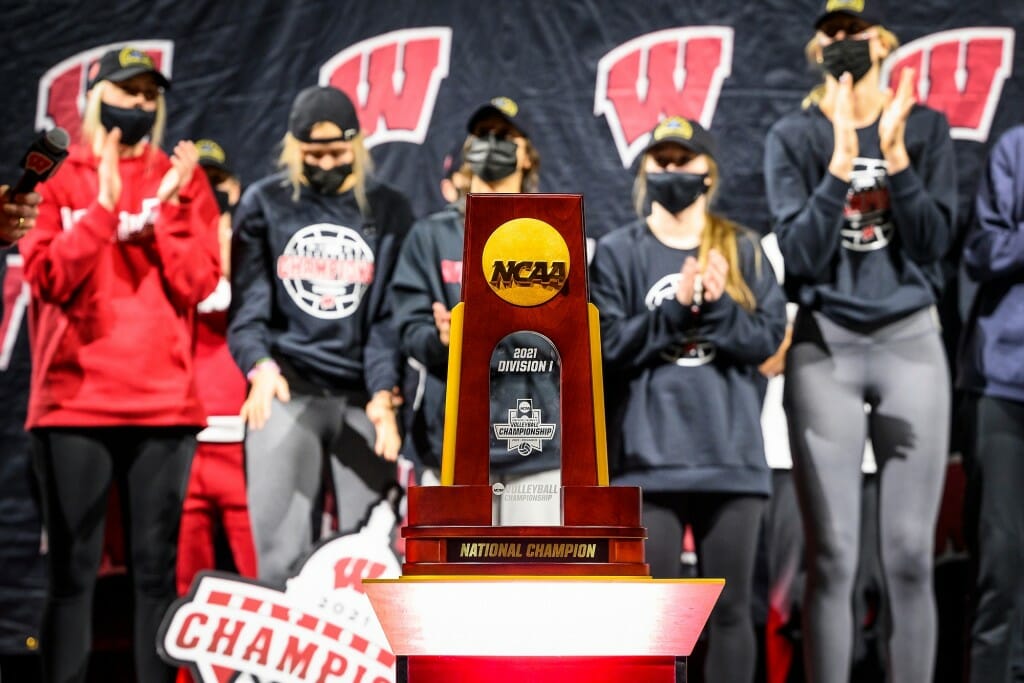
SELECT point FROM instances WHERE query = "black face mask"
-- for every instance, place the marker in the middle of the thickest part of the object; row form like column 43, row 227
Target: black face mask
column 326, row 181
column 674, row 190
column 135, row 124
column 223, row 200
column 491, row 158
column 847, row 55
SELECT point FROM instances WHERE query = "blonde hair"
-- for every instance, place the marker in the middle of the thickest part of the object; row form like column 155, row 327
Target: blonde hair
column 719, row 233
column 91, row 117
column 291, row 161
column 889, row 41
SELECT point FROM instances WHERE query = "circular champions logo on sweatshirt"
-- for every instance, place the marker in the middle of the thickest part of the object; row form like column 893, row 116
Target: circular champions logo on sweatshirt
column 326, row 269
column 691, row 351
column 867, row 216
column 526, row 261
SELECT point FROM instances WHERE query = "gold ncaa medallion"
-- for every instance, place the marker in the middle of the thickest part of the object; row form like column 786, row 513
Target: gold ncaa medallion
column 526, row 262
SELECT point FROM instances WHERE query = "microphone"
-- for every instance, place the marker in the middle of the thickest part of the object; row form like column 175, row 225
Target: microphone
column 42, row 160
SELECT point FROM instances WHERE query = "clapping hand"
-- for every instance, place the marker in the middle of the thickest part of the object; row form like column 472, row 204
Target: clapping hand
column 712, row 278
column 893, row 122
column 108, row 171
column 183, row 165
column 844, row 130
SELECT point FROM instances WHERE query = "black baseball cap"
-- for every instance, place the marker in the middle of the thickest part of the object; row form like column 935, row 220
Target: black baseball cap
column 212, row 155
column 122, row 63
column 865, row 10
column 504, row 107
column 684, row 132
column 323, row 103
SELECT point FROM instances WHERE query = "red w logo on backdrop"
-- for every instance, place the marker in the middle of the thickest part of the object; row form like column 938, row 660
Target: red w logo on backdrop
column 959, row 72
column 62, row 88
column 675, row 72
column 393, row 80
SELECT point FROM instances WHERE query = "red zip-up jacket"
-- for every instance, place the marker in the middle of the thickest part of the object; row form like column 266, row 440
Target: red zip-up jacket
column 114, row 296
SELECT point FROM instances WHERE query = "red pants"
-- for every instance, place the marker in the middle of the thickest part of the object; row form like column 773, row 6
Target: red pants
column 216, row 489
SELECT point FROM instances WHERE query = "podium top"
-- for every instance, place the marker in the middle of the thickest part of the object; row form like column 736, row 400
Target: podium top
column 542, row 616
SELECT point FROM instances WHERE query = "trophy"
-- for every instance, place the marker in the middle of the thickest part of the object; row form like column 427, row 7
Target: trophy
column 524, row 379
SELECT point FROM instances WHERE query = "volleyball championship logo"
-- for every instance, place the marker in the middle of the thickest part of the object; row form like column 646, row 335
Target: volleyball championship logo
column 524, row 432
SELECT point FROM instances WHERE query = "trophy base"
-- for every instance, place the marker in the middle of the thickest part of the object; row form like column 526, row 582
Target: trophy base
column 450, row 533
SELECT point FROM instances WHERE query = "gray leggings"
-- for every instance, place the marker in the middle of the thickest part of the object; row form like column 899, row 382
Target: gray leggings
column 900, row 372
column 284, row 473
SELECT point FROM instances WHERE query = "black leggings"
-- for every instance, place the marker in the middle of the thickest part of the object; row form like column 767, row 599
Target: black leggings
column 725, row 528
column 900, row 371
column 994, row 525
column 75, row 468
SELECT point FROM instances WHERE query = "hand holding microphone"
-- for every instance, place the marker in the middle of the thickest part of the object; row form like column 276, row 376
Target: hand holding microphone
column 42, row 159
column 19, row 215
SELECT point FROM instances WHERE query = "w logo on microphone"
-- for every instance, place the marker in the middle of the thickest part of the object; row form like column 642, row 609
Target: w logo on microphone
column 675, row 72
column 959, row 72
column 62, row 88
column 393, row 81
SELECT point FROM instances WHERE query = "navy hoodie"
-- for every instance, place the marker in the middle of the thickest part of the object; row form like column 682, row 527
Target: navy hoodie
column 992, row 349
column 309, row 283
column 865, row 252
column 430, row 269
column 690, row 416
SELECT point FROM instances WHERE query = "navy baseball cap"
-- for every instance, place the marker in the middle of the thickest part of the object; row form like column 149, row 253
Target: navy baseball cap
column 503, row 107
column 865, row 10
column 122, row 63
column 212, row 155
column 323, row 103
column 684, row 132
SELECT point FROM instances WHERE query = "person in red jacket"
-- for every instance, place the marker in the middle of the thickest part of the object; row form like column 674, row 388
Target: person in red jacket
column 124, row 248
column 216, row 486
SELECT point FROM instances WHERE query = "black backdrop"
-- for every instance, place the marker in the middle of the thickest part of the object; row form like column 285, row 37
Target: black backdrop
column 237, row 66
column 589, row 74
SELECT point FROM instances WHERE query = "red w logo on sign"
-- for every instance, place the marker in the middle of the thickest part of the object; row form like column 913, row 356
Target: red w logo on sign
column 393, row 80
column 959, row 72
column 675, row 72
column 62, row 88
